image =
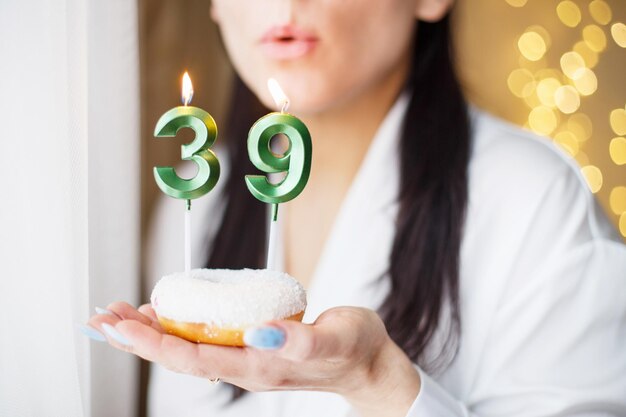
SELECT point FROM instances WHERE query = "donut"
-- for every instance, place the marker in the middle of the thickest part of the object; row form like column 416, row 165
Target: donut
column 216, row 306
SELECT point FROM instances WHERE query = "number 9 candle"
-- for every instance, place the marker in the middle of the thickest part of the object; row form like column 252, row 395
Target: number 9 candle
column 296, row 160
column 197, row 151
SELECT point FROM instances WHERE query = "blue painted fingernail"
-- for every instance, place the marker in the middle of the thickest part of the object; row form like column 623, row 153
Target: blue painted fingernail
column 264, row 337
column 104, row 311
column 115, row 335
column 91, row 333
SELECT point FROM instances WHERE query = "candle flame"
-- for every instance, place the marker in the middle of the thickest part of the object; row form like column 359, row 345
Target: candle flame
column 279, row 96
column 187, row 91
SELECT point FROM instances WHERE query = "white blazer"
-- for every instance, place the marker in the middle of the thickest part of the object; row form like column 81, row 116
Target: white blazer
column 542, row 287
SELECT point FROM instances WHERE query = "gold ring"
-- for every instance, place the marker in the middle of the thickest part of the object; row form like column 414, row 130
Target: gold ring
column 214, row 381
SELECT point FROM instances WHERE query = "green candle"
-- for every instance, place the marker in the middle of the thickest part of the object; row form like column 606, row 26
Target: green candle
column 296, row 161
column 198, row 150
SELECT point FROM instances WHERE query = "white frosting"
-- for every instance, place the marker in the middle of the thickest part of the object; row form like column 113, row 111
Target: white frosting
column 228, row 298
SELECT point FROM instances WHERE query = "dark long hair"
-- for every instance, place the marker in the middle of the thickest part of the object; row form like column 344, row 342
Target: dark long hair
column 434, row 152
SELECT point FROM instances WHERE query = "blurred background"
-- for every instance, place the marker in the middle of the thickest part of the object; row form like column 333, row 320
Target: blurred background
column 555, row 67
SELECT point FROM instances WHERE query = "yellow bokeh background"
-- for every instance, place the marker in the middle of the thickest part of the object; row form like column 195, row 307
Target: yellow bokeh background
column 554, row 67
column 560, row 72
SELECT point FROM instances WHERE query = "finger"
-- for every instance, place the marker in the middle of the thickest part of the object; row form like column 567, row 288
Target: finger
column 309, row 342
column 127, row 312
column 106, row 320
column 147, row 310
column 96, row 321
column 103, row 311
column 338, row 333
column 207, row 361
column 296, row 341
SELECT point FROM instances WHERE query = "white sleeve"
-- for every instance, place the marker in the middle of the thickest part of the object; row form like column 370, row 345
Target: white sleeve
column 434, row 401
column 555, row 343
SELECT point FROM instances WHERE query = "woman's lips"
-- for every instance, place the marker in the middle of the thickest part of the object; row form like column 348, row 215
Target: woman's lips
column 287, row 42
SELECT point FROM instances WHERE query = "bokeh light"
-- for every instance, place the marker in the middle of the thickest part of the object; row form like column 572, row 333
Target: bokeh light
column 532, row 66
column 600, row 11
column 543, row 32
column 567, row 99
column 618, row 121
column 618, row 31
column 589, row 56
column 556, row 79
column 593, row 175
column 582, row 159
column 617, row 200
column 568, row 142
column 546, row 89
column 568, row 13
column 542, row 120
column 594, row 37
column 532, row 46
column 617, row 150
column 532, row 100
column 581, row 126
column 521, row 82
column 571, row 62
column 544, row 73
column 517, row 3
column 585, row 81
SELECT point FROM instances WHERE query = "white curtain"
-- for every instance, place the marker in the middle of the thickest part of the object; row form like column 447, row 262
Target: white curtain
column 69, row 202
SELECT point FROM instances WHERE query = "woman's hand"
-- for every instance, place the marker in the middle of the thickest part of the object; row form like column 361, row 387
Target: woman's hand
column 347, row 351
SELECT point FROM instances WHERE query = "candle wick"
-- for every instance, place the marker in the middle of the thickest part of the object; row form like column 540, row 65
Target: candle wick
column 285, row 106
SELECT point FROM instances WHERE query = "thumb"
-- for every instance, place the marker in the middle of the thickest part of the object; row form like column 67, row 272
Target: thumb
column 325, row 339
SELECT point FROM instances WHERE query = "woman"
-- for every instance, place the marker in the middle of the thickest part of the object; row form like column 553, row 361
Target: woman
column 499, row 283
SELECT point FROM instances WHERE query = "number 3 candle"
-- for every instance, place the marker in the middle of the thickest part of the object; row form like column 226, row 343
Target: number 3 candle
column 296, row 160
column 198, row 151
